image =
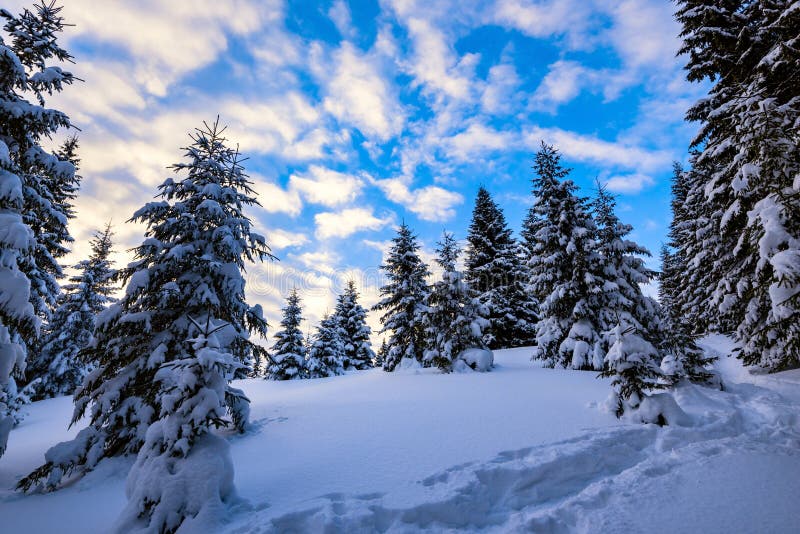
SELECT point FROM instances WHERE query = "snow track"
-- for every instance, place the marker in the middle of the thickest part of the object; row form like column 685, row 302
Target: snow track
column 583, row 484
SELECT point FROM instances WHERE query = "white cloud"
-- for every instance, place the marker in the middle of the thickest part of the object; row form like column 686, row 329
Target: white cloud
column 563, row 82
column 430, row 203
column 320, row 185
column 629, row 183
column 348, row 222
column 322, row 261
column 435, row 64
column 477, row 139
column 501, row 83
column 546, row 18
column 166, row 40
column 279, row 239
column 595, row 150
column 358, row 92
column 339, row 13
column 275, row 199
column 633, row 19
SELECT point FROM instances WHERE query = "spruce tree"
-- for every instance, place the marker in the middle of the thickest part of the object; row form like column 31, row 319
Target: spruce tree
column 494, row 271
column 32, row 223
column 697, row 250
column 403, row 301
column 352, row 317
column 328, row 350
column 620, row 271
column 683, row 289
column 187, row 271
column 631, row 362
column 59, row 368
column 455, row 319
column 287, row 360
column 558, row 235
column 380, row 356
column 748, row 155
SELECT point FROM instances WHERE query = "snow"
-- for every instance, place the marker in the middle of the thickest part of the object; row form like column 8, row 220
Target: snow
column 478, row 359
column 518, row 449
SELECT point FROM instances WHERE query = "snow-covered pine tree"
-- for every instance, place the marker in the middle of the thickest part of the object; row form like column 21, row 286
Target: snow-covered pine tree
column 620, row 271
column 352, row 317
column 183, row 475
column 32, row 225
column 288, row 357
column 494, row 271
column 748, row 148
column 328, row 350
column 679, row 289
column 382, row 353
column 558, row 237
column 682, row 358
column 696, row 245
column 631, row 362
column 188, row 268
column 455, row 318
column 403, row 301
column 59, row 368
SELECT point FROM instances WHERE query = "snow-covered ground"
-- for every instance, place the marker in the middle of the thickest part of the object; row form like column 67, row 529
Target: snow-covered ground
column 518, row 449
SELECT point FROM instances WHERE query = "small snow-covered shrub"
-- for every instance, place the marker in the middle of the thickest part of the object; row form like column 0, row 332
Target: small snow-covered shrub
column 477, row 359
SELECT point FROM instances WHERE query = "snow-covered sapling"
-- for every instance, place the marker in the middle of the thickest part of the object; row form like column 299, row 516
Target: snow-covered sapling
column 631, row 363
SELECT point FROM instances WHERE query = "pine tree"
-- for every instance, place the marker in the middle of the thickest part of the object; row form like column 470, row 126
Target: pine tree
column 328, row 350
column 380, row 356
column 32, row 225
column 403, row 301
column 620, row 271
column 748, row 158
column 558, row 236
column 187, row 270
column 682, row 358
column 455, row 318
column 184, row 473
column 58, row 369
column 358, row 353
column 631, row 363
column 287, row 361
column 494, row 270
column 683, row 290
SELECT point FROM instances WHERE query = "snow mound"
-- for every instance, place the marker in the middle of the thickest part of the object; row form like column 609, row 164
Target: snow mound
column 474, row 359
column 660, row 408
column 198, row 487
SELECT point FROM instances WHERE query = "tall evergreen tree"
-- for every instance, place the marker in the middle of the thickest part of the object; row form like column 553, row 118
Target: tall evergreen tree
column 358, row 353
column 287, row 360
column 188, row 271
column 455, row 319
column 558, row 236
column 682, row 357
column 32, row 224
column 748, row 158
column 494, row 271
column 620, row 271
column 682, row 290
column 403, row 301
column 58, row 368
column 328, row 350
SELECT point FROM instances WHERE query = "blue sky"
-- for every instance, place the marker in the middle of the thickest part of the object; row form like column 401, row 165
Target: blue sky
column 356, row 115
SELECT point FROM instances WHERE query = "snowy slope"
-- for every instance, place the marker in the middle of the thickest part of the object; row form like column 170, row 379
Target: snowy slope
column 519, row 448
